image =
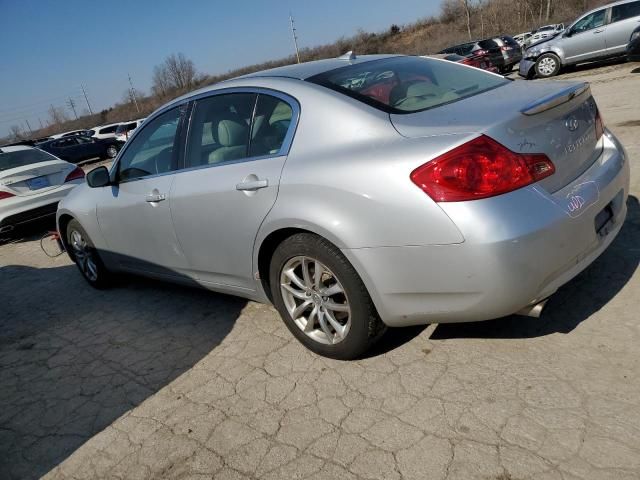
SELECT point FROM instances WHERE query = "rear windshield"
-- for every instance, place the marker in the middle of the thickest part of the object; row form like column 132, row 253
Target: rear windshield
column 408, row 84
column 9, row 160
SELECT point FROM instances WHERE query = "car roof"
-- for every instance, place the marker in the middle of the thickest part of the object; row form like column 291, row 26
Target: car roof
column 105, row 125
column 15, row 148
column 302, row 71
column 296, row 71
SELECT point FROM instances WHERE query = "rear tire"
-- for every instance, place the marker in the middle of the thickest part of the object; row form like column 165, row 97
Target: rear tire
column 82, row 251
column 321, row 298
column 547, row 65
column 112, row 151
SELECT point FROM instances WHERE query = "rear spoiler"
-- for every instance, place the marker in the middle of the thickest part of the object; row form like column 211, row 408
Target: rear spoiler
column 563, row 96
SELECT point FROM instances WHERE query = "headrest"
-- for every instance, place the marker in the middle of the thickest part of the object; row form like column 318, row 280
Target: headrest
column 420, row 89
column 232, row 132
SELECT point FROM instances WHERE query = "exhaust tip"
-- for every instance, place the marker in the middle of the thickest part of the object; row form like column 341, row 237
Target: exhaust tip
column 534, row 310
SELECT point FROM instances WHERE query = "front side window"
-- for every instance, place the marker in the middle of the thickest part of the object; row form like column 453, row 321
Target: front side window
column 83, row 140
column 594, row 20
column 624, row 11
column 408, row 84
column 151, row 152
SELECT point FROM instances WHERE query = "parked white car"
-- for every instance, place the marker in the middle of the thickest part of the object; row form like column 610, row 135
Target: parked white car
column 545, row 32
column 32, row 182
column 125, row 129
column 105, row 131
column 522, row 38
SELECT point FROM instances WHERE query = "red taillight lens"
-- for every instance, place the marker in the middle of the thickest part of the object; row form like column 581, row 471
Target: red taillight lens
column 480, row 168
column 4, row 195
column 599, row 125
column 76, row 173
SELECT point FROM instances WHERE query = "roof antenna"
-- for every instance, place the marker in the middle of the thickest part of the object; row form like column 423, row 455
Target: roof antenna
column 348, row 56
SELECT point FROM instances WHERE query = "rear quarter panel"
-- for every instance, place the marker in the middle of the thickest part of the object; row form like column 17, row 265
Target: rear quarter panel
column 347, row 178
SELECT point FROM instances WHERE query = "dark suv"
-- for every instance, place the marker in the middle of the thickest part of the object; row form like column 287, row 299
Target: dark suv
column 504, row 52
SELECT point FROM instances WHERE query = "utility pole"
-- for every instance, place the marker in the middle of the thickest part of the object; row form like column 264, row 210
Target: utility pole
column 41, row 126
column 29, row 126
column 72, row 105
column 87, row 99
column 295, row 37
column 133, row 94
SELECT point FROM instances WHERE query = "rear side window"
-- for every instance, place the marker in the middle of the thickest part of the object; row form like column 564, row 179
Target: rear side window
column 21, row 158
column 270, row 126
column 624, row 11
column 408, row 84
column 110, row 129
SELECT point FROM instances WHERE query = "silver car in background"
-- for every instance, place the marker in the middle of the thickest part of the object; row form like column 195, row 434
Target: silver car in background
column 360, row 193
column 598, row 34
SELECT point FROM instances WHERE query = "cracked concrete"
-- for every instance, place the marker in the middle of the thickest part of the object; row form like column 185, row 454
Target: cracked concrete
column 156, row 381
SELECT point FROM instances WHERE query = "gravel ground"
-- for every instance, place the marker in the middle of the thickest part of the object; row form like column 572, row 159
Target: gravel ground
column 149, row 380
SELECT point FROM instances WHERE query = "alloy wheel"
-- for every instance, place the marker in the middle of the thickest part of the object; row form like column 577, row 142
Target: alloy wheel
column 547, row 66
column 315, row 300
column 112, row 151
column 84, row 256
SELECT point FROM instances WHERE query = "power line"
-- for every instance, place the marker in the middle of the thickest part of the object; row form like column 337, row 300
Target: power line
column 39, row 102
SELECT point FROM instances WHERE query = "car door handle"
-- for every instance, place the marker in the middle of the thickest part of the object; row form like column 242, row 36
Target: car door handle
column 155, row 197
column 252, row 185
column 598, row 31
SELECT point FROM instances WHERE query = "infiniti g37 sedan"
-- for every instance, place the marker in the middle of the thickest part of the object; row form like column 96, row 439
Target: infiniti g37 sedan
column 359, row 193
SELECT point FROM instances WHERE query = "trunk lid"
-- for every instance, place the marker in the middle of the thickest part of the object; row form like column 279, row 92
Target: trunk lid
column 35, row 178
column 554, row 118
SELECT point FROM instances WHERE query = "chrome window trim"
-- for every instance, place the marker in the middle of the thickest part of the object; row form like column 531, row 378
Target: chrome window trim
column 284, row 148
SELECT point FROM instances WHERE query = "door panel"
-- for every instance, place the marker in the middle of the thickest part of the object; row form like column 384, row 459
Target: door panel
column 135, row 213
column 588, row 38
column 237, row 147
column 217, row 223
column 140, row 232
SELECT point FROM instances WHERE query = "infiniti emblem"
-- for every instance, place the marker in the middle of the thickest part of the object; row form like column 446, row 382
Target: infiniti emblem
column 571, row 123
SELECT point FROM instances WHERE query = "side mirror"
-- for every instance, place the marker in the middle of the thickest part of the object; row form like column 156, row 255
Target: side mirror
column 566, row 33
column 98, row 177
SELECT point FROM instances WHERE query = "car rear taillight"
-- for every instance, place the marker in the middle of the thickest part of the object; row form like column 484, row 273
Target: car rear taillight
column 76, row 174
column 506, row 48
column 4, row 195
column 599, row 125
column 478, row 53
column 480, row 168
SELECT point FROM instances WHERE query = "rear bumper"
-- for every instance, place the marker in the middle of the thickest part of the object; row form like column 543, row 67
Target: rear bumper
column 519, row 249
column 17, row 211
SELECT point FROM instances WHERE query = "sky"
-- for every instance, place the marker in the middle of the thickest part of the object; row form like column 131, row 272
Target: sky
column 50, row 48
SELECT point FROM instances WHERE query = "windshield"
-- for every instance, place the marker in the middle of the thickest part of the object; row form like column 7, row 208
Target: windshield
column 21, row 158
column 408, row 84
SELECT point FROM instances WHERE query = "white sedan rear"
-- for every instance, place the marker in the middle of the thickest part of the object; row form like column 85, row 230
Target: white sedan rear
column 32, row 182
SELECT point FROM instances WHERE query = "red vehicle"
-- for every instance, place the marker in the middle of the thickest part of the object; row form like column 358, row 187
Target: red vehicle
column 479, row 59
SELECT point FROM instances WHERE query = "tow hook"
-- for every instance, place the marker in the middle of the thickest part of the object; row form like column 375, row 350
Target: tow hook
column 51, row 244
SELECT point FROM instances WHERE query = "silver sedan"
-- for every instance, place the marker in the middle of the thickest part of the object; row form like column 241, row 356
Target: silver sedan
column 360, row 193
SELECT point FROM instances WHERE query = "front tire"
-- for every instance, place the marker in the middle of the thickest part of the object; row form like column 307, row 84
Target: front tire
column 547, row 65
column 82, row 251
column 321, row 298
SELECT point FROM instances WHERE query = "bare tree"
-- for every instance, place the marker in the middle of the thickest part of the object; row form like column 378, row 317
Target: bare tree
column 467, row 10
column 176, row 72
column 15, row 134
column 57, row 115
